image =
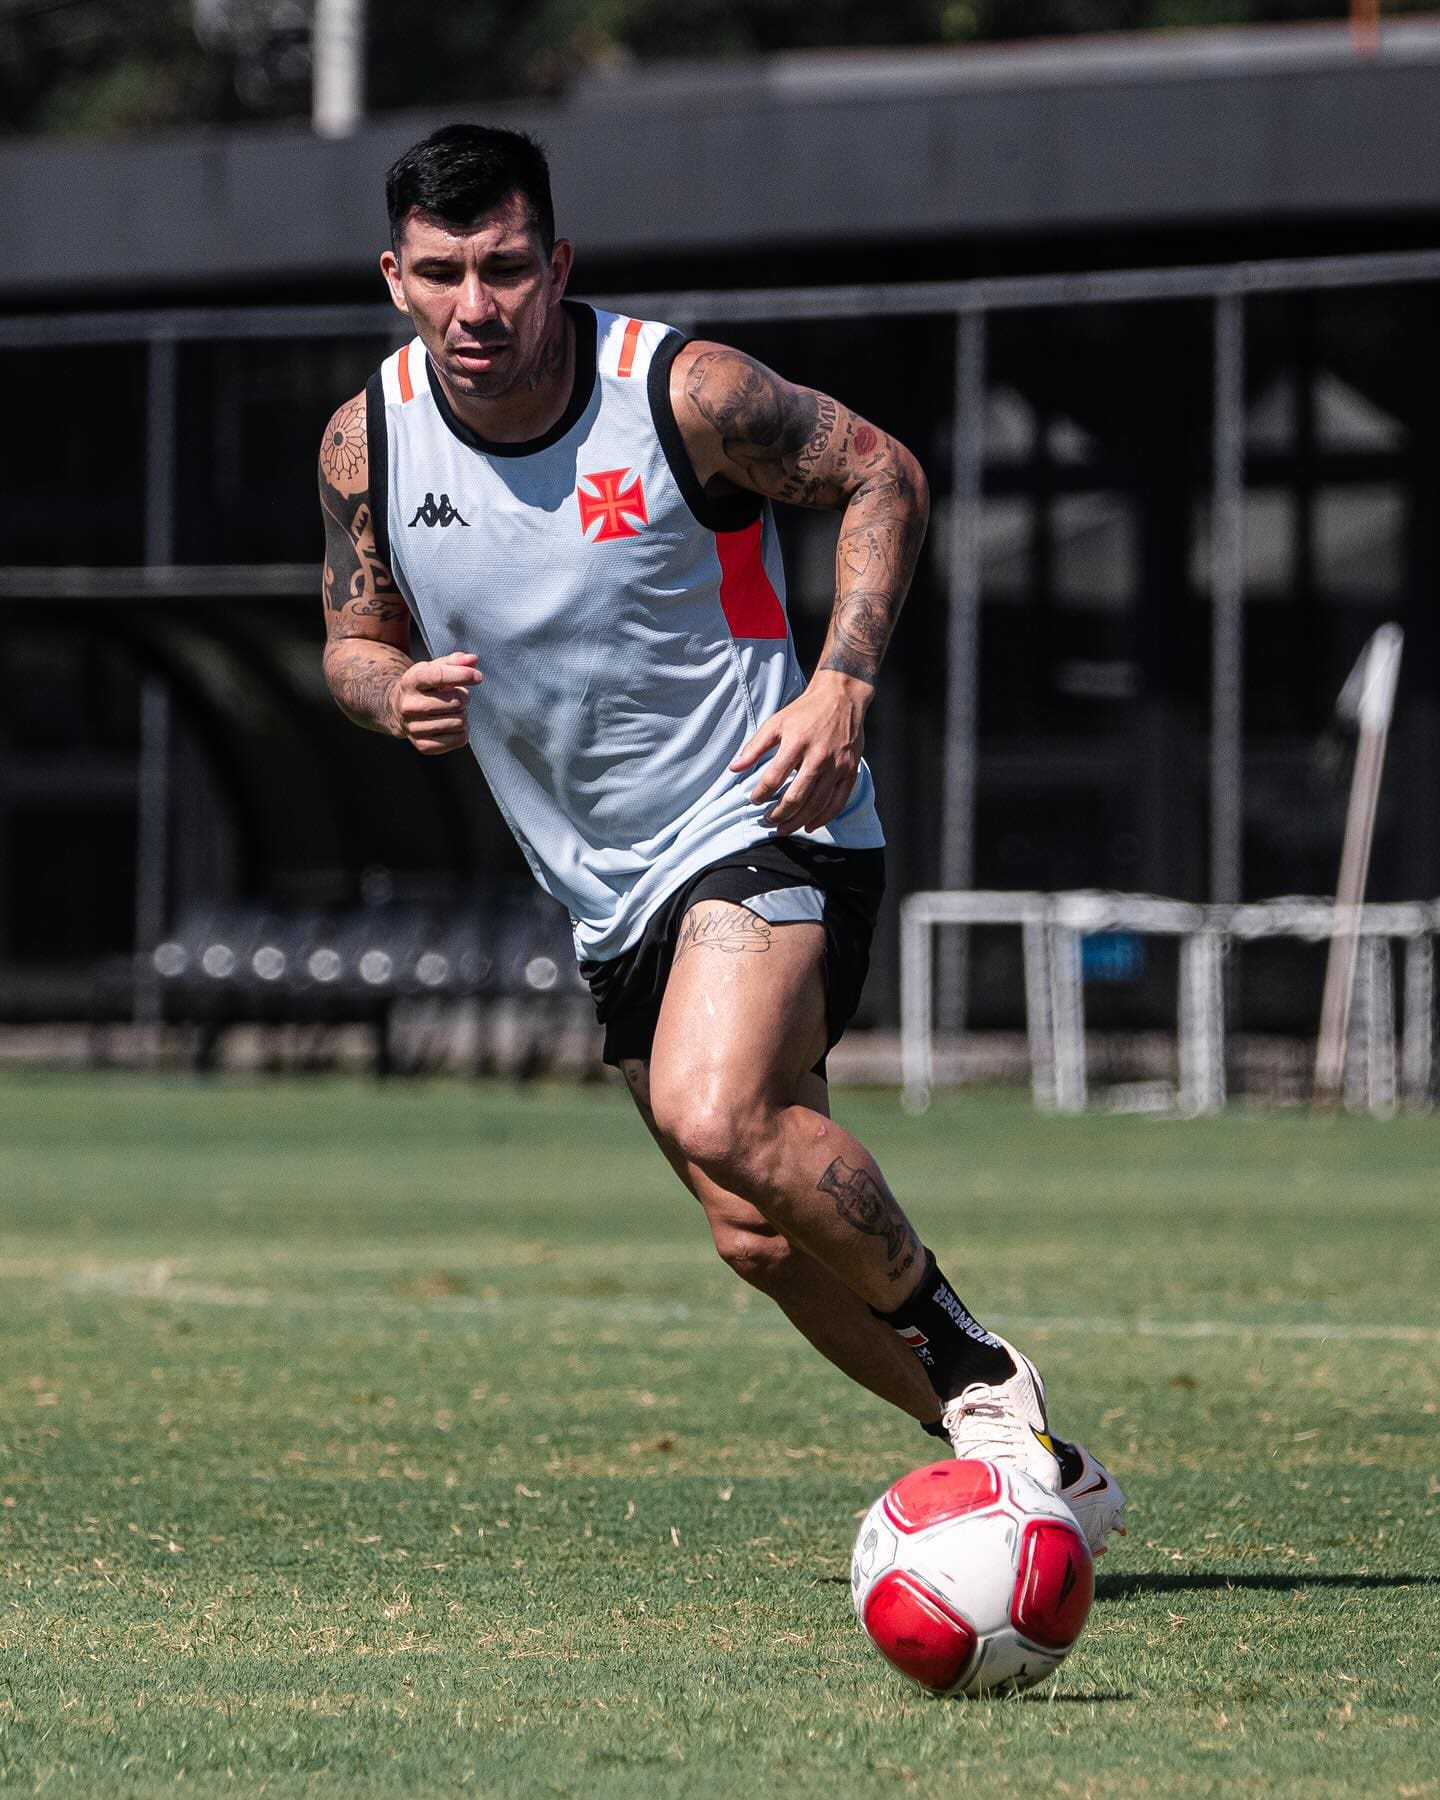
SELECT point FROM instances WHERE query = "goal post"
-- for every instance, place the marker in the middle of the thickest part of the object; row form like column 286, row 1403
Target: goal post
column 1380, row 1069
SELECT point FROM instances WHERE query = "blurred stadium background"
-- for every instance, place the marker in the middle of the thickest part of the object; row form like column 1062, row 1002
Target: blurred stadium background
column 192, row 839
column 407, row 1437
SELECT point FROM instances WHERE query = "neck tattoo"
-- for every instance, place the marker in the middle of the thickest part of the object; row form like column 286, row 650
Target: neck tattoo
column 551, row 361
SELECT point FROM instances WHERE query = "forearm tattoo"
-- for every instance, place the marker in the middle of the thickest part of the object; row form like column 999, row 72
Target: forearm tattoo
column 366, row 619
column 361, row 673
column 732, row 929
column 868, row 1205
column 793, row 444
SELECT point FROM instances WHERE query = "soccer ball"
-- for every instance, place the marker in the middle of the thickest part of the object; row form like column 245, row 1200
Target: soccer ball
column 970, row 1577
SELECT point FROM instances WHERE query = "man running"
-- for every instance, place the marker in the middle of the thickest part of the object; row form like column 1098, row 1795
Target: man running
column 574, row 507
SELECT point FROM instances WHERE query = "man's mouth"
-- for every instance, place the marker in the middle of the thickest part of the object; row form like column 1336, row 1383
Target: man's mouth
column 478, row 353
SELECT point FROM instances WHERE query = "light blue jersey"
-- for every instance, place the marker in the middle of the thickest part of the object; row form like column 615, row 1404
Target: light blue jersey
column 630, row 628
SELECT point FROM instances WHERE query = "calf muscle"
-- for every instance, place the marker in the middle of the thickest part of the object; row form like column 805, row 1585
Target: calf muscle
column 816, row 1302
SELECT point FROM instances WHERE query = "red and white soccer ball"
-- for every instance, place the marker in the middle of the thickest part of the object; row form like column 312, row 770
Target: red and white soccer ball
column 970, row 1577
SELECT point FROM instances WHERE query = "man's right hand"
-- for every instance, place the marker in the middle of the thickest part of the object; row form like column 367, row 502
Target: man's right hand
column 428, row 703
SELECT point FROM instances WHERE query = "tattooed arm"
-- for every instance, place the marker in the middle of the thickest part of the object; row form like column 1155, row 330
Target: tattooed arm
column 368, row 666
column 745, row 427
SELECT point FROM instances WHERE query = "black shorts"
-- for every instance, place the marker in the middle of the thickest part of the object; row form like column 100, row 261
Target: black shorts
column 782, row 880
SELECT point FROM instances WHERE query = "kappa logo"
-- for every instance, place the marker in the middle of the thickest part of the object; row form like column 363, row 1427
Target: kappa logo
column 616, row 506
column 443, row 514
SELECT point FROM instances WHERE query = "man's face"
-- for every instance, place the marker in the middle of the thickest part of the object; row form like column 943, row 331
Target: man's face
column 483, row 296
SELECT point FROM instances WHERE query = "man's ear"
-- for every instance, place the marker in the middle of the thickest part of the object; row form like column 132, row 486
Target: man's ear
column 562, row 260
column 390, row 269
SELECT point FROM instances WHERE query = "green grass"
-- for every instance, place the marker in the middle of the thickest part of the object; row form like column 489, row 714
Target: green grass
column 411, row 1440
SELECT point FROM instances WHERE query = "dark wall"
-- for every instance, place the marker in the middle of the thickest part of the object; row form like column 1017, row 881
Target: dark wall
column 1094, row 677
column 1095, row 633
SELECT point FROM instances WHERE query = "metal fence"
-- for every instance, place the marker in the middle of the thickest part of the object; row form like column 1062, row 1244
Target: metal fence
column 969, row 304
column 1054, row 927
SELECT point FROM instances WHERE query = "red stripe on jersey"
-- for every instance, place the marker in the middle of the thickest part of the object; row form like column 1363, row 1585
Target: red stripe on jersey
column 627, row 347
column 407, row 392
column 752, row 607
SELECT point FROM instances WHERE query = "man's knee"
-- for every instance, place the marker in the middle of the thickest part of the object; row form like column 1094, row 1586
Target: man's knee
column 762, row 1257
column 721, row 1132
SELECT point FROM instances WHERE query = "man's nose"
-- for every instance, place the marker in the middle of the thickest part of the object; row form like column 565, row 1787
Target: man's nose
column 476, row 305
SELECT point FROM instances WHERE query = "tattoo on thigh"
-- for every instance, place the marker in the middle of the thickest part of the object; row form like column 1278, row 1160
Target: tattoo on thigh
column 865, row 1203
column 728, row 928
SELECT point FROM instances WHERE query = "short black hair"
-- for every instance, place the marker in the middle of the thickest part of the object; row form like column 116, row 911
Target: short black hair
column 462, row 171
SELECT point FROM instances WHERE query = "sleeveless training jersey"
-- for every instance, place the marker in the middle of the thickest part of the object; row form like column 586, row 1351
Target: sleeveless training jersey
column 631, row 629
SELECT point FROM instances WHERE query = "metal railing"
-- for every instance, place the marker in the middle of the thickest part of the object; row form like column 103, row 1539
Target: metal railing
column 1053, row 930
column 969, row 304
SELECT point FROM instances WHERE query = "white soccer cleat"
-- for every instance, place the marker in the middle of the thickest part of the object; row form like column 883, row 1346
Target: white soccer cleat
column 1005, row 1422
column 1092, row 1493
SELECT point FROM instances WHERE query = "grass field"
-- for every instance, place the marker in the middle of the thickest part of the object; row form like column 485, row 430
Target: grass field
column 411, row 1440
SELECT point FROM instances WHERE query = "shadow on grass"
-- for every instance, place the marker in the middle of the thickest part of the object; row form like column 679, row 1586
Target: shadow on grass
column 1122, row 1587
column 1043, row 1696
column 1040, row 1697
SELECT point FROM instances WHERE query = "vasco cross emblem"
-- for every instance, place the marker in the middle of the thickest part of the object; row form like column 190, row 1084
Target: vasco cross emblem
column 443, row 514
column 615, row 506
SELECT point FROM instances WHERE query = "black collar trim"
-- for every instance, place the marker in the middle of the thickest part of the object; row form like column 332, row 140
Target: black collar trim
column 580, row 394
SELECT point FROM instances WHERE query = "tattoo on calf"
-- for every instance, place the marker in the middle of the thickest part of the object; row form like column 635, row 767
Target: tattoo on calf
column 728, row 928
column 862, row 1201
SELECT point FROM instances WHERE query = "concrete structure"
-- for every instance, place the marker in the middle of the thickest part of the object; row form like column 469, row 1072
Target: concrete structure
column 1263, row 129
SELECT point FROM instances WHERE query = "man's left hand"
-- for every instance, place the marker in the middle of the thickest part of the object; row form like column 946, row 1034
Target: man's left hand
column 819, row 739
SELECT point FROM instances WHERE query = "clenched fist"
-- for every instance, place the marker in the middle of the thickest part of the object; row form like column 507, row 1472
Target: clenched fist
column 428, row 703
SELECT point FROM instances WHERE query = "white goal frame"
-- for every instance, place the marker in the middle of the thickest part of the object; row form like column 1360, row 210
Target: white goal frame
column 1053, row 927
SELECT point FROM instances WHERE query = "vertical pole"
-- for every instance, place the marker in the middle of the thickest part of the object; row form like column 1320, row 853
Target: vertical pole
column 1380, row 1086
column 150, row 843
column 153, row 768
column 1419, row 1041
column 958, row 784
column 1369, row 697
column 917, row 984
column 337, row 54
column 1068, row 1012
column 1039, row 1008
column 1201, row 1023
column 1227, row 587
column 160, row 452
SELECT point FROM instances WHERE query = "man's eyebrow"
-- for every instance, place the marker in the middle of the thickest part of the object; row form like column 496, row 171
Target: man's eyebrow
column 447, row 259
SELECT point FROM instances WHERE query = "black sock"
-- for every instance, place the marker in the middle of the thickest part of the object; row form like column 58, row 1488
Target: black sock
column 954, row 1349
column 933, row 1428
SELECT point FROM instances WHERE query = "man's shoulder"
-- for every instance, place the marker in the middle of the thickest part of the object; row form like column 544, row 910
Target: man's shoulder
column 344, row 447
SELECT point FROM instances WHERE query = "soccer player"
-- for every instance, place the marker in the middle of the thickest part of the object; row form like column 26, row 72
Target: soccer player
column 573, row 507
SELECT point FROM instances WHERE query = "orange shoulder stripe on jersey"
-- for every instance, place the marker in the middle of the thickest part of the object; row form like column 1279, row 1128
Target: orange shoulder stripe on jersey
column 407, row 391
column 627, row 347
